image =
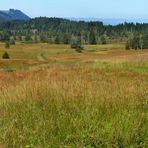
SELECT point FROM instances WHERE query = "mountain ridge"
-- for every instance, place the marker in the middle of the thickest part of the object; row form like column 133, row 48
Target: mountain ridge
column 13, row 14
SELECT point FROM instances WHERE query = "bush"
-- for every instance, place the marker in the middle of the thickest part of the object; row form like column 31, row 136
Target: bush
column 127, row 46
column 8, row 69
column 28, row 38
column 77, row 46
column 7, row 45
column 103, row 40
column 12, row 42
column 5, row 56
column 73, row 45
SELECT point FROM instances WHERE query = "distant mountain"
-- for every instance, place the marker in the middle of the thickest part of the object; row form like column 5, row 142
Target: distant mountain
column 110, row 21
column 12, row 14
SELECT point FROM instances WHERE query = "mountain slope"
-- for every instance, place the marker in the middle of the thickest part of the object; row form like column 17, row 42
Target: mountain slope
column 13, row 14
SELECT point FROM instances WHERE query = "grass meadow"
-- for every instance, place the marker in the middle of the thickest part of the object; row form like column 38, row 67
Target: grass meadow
column 51, row 96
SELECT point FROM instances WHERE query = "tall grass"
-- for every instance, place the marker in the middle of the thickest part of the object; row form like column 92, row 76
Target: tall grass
column 73, row 107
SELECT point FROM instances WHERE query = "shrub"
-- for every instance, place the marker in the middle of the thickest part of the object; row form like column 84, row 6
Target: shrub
column 77, row 46
column 127, row 46
column 103, row 40
column 8, row 69
column 73, row 45
column 12, row 42
column 7, row 45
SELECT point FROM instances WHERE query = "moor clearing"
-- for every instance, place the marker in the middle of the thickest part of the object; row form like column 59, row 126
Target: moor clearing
column 52, row 96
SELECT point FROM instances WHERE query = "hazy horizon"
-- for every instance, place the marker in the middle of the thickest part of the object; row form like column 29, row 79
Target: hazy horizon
column 117, row 9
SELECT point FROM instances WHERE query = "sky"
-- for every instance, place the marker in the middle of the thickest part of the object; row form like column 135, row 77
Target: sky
column 129, row 9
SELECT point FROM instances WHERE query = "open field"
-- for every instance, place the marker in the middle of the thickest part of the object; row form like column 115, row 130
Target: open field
column 52, row 96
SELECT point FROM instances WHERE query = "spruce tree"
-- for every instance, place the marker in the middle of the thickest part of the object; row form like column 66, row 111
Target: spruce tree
column 92, row 38
column 5, row 56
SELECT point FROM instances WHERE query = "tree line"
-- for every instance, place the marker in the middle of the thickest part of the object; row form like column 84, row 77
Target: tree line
column 63, row 31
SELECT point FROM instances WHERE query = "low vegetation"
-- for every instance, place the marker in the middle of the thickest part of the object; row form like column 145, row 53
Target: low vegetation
column 52, row 96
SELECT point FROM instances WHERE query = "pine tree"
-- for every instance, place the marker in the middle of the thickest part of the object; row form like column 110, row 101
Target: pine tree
column 5, row 56
column 92, row 38
column 145, row 41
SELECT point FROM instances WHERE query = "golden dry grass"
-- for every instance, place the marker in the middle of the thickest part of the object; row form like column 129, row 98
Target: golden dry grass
column 78, row 100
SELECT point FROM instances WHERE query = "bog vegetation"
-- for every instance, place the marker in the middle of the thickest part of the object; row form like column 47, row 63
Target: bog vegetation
column 84, row 91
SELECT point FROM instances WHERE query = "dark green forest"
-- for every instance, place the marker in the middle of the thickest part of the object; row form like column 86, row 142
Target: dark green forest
column 63, row 31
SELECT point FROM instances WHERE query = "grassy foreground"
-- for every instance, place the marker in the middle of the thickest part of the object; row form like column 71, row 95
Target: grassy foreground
column 91, row 104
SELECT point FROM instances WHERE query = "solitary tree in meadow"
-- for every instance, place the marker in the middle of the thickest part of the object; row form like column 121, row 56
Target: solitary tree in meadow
column 5, row 56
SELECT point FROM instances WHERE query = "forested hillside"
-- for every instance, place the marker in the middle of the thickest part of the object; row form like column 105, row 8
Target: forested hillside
column 63, row 31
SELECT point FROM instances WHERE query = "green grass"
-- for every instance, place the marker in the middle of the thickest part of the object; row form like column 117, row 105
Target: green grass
column 133, row 67
column 99, row 48
column 30, row 51
column 46, row 124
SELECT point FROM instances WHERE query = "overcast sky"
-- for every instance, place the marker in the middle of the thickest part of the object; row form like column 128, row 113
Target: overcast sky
column 80, row 8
